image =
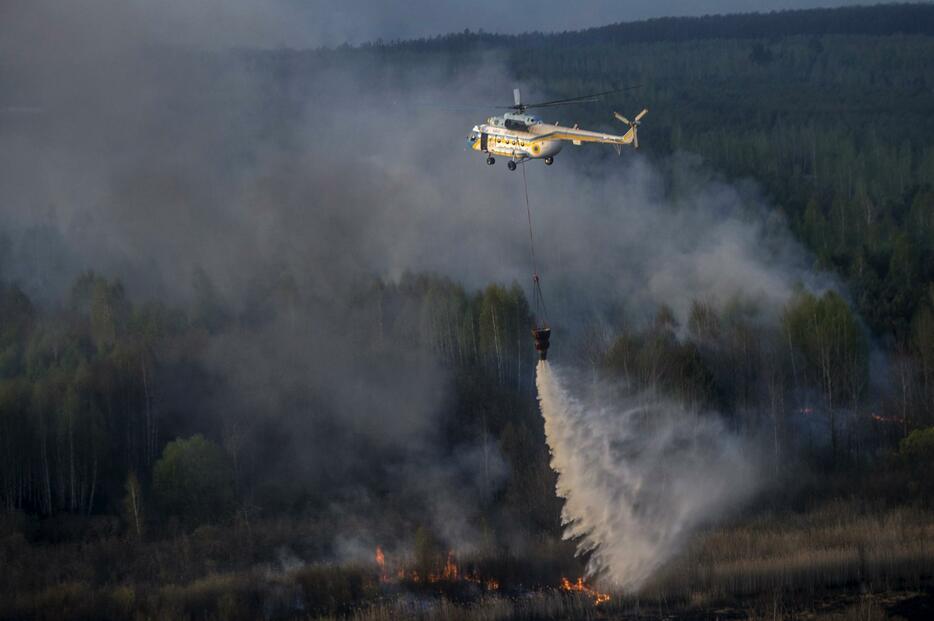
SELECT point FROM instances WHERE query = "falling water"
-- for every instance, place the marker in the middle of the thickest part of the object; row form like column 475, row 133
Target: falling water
column 638, row 475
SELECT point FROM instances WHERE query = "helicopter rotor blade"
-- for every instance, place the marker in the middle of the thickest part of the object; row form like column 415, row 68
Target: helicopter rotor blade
column 641, row 114
column 445, row 106
column 555, row 104
column 579, row 99
column 516, row 97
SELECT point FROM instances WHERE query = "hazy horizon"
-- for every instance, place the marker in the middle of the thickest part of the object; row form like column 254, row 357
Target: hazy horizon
column 221, row 24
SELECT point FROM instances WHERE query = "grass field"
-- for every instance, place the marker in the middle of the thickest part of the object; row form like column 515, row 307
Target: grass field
column 839, row 561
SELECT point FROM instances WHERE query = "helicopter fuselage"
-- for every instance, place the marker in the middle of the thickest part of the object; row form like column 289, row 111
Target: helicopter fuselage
column 515, row 136
column 520, row 136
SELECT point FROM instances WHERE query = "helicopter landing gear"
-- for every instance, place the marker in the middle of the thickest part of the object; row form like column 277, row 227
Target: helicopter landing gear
column 489, row 160
column 511, row 165
column 549, row 161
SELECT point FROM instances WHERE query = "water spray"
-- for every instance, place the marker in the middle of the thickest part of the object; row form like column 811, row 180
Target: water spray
column 638, row 474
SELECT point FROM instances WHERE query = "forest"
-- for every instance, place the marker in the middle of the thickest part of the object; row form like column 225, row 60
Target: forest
column 270, row 453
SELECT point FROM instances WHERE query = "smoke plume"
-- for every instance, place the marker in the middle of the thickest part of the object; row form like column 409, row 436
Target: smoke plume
column 638, row 475
column 290, row 177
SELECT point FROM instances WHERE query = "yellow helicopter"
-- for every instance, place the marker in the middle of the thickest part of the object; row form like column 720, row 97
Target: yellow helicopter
column 520, row 136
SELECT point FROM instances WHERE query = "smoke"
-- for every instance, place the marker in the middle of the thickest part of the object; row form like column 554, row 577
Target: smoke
column 638, row 475
column 149, row 159
column 292, row 177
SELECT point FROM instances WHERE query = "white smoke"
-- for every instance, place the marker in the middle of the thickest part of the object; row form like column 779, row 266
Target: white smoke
column 638, row 475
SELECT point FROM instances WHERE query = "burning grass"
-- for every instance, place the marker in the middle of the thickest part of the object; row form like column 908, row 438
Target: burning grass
column 838, row 562
column 834, row 563
column 450, row 573
column 579, row 586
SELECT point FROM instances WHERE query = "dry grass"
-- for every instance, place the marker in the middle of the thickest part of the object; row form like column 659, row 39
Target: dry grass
column 535, row 605
column 836, row 547
column 837, row 563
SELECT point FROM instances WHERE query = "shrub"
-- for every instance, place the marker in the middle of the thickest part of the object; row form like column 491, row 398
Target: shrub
column 917, row 453
column 193, row 481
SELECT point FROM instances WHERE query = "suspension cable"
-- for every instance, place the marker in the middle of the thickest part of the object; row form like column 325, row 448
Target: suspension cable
column 528, row 211
column 538, row 300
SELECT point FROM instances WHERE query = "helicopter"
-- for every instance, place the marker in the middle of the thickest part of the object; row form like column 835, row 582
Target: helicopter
column 520, row 136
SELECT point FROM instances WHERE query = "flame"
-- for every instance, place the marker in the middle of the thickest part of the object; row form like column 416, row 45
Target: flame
column 381, row 563
column 450, row 572
column 490, row 584
column 581, row 587
column 879, row 418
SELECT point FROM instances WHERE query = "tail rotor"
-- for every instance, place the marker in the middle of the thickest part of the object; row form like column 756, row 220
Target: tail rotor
column 633, row 124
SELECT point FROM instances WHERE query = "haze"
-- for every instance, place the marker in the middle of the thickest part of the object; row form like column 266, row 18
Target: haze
column 314, row 23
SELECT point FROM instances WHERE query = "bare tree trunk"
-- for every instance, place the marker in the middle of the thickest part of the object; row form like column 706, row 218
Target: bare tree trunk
column 518, row 352
column 499, row 353
column 46, row 474
column 486, row 455
column 93, row 484
column 72, row 477
column 791, row 356
column 826, row 369
column 776, row 398
column 904, row 382
column 150, row 448
column 61, row 484
column 134, row 503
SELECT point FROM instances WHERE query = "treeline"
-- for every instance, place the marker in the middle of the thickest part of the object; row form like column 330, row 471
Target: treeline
column 800, row 384
column 835, row 128
column 827, row 110
column 76, row 396
column 101, row 398
column 878, row 20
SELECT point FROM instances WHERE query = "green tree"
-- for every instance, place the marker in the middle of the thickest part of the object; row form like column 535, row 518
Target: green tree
column 834, row 348
column 918, row 449
column 193, row 480
column 917, row 453
column 816, row 228
column 104, row 304
column 922, row 345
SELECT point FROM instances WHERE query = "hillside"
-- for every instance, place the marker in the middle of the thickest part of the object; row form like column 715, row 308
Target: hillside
column 829, row 110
